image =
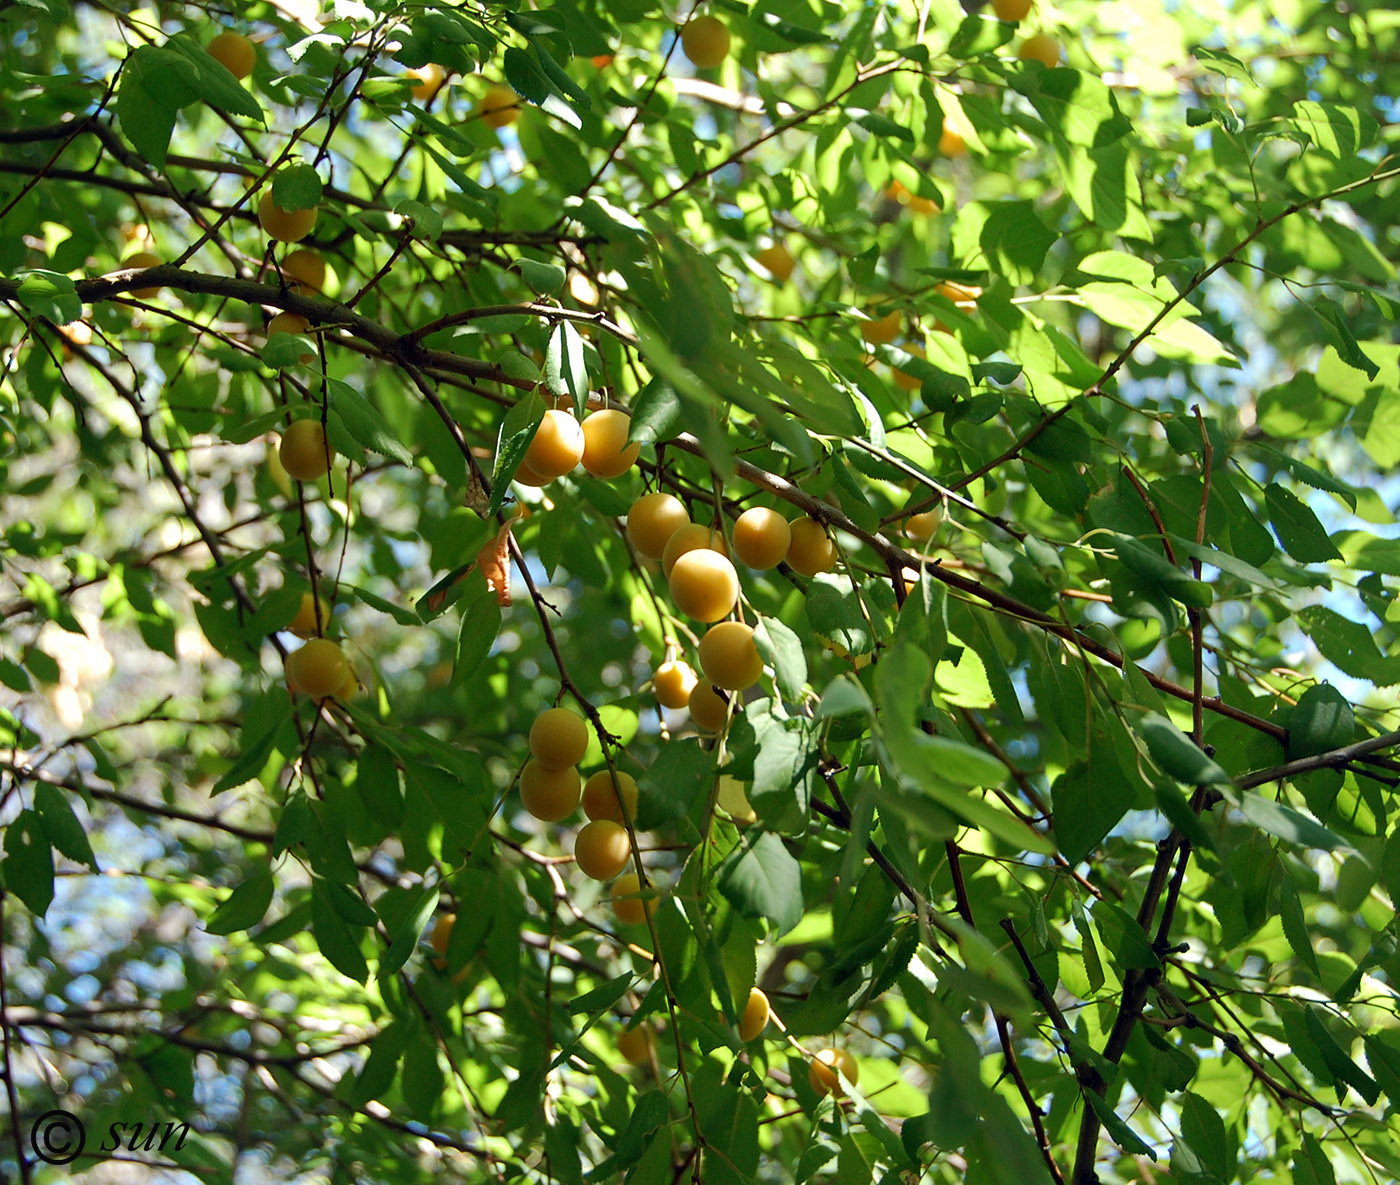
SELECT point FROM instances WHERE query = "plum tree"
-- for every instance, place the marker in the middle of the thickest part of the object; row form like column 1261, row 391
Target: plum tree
column 607, row 793
column 557, row 445
column 1012, row 10
column 630, row 908
column 291, row 323
column 234, row 52
column 882, row 330
column 1039, row 47
column 761, row 538
column 822, row 1071
column 306, row 267
column 705, row 41
column 673, row 682
column 811, row 550
column 708, row 709
column 704, row 585
column 558, row 738
column 283, row 225
column 606, row 452
column 143, row 259
column 305, row 453
column 500, row 106
column 429, row 80
column 652, row 520
column 755, row 1015
column 777, row 261
column 602, row 849
column 729, row 657
column 636, row 1045
column 318, row 668
column 691, row 537
column 312, row 616
column 548, row 793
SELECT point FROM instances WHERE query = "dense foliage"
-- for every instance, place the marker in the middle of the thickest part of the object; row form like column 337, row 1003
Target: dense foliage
column 1063, row 804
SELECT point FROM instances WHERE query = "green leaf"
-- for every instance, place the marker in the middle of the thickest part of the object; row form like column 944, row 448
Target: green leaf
column 657, row 414
column 545, row 278
column 1284, row 821
column 761, row 878
column 1117, row 1128
column 61, row 825
column 297, row 187
column 426, row 223
column 50, row 294
column 512, row 442
column 1176, row 754
column 244, row 908
column 403, row 938
column 1297, row 527
column 782, row 650
column 29, row 862
column 564, row 370
column 604, row 996
column 1322, row 720
column 481, row 623
column 155, row 84
column 1338, row 1061
column 1295, row 926
column 365, row 422
column 1124, row 938
column 335, row 939
column 1338, row 130
column 1007, row 236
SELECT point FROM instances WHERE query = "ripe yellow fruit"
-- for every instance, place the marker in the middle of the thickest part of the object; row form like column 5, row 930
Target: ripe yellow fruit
column 705, row 41
column 881, row 330
column 922, row 526
column 557, row 445
column 909, row 382
column 442, row 932
column 811, row 551
column 528, row 477
column 962, row 295
column 602, row 849
column 351, row 684
column 635, row 1045
column 429, row 80
column 601, row 794
column 761, row 538
column 922, row 205
column 286, row 226
column 558, row 738
column 651, row 522
column 304, row 624
column 499, row 106
column 631, row 909
column 950, row 142
column 734, row 802
column 234, row 52
column 778, row 261
column 691, row 537
column 606, row 452
column 549, row 794
column 821, row 1072
column 707, row 709
column 318, row 669
column 1040, row 47
column 143, row 259
column 755, row 1017
column 305, row 453
column 291, row 323
column 673, row 683
column 704, row 585
column 1011, row 10
column 729, row 657
column 305, row 267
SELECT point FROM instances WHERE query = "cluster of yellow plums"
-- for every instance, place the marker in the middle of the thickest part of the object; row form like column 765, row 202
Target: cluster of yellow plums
column 704, row 585
column 560, row 442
